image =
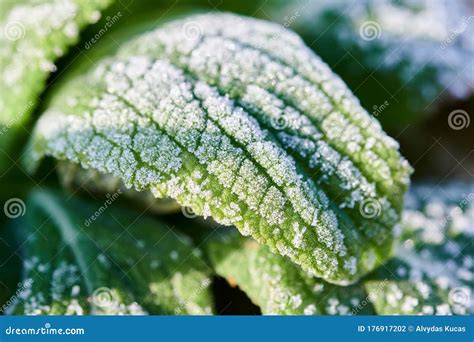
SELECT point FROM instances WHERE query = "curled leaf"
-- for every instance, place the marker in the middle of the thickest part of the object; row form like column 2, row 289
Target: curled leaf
column 256, row 133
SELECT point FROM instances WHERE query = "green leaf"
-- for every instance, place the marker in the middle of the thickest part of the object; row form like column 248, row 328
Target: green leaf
column 399, row 72
column 87, row 258
column 277, row 285
column 75, row 178
column 256, row 133
column 433, row 269
column 33, row 35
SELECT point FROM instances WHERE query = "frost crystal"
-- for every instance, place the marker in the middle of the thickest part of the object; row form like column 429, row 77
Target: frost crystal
column 271, row 281
column 434, row 269
column 32, row 36
column 90, row 273
column 263, row 138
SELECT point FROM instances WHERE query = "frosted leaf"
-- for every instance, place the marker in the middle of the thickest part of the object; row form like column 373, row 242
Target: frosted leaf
column 169, row 108
column 433, row 268
column 275, row 284
column 33, row 35
column 417, row 53
column 110, row 266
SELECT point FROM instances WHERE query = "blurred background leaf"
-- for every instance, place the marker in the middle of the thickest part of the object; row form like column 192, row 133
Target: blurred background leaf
column 402, row 58
column 86, row 258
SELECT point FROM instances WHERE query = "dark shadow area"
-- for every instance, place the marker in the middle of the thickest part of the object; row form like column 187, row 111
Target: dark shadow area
column 231, row 300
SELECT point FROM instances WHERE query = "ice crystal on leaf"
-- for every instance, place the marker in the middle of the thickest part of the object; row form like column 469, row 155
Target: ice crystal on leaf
column 264, row 138
column 74, row 269
column 277, row 285
column 433, row 268
column 432, row 271
column 426, row 59
column 33, row 35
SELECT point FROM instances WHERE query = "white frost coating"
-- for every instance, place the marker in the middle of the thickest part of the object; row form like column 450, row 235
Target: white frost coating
column 305, row 139
column 310, row 310
column 39, row 21
column 289, row 98
column 132, row 89
column 241, row 52
column 273, row 283
column 434, row 265
column 160, row 120
column 435, row 35
column 32, row 37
